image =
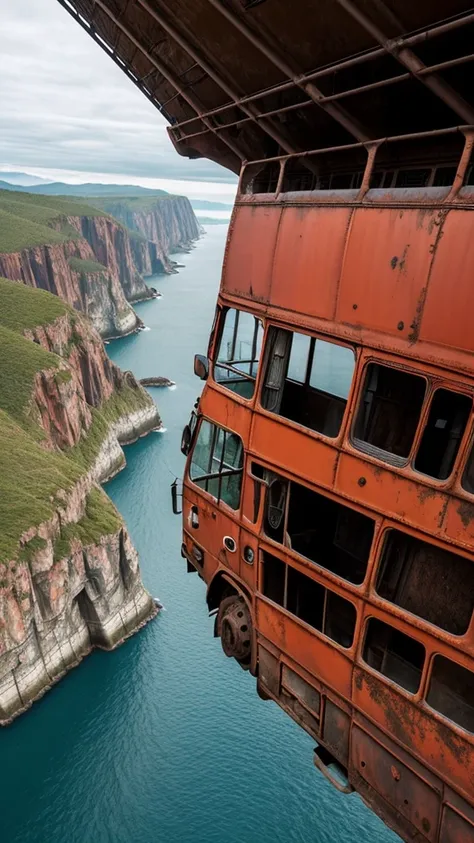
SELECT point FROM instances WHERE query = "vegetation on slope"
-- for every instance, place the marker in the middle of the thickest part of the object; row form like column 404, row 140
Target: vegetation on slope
column 100, row 519
column 24, row 308
column 27, row 220
column 87, row 266
column 133, row 203
column 32, row 479
column 17, row 233
column 21, row 360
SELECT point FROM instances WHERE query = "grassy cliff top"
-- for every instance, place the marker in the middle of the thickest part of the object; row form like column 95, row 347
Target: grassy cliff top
column 21, row 360
column 133, row 203
column 26, row 219
column 30, row 477
column 82, row 265
column 23, row 308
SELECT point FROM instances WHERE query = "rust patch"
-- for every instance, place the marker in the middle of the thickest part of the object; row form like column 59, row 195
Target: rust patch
column 415, row 325
column 466, row 512
column 443, row 511
column 426, row 493
column 393, row 262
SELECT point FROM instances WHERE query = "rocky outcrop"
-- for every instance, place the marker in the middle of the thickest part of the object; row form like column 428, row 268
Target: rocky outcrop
column 157, row 381
column 167, row 223
column 70, row 578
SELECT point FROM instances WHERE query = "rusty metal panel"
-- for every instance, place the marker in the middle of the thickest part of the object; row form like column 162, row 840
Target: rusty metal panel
column 308, row 259
column 455, row 829
column 390, row 493
column 215, row 405
column 248, row 263
column 269, row 670
column 386, row 267
column 445, row 751
column 336, row 731
column 459, row 522
column 447, row 314
column 297, row 686
column 318, row 657
column 396, row 783
column 302, row 454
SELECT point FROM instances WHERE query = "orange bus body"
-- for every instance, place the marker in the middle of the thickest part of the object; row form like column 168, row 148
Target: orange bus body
column 390, row 279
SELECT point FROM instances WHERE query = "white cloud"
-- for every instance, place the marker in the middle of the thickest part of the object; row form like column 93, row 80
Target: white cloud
column 65, row 105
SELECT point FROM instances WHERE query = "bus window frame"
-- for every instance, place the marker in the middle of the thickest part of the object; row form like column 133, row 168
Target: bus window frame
column 220, row 318
column 216, row 501
column 313, row 335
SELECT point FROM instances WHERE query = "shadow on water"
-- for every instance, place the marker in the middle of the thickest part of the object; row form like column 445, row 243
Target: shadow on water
column 165, row 740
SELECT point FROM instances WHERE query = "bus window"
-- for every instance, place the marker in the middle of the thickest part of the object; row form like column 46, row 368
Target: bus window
column 443, row 432
column 394, row 654
column 333, row 536
column 307, row 380
column 430, row 582
column 217, row 463
column 239, row 352
column 389, row 412
column 309, row 601
column 451, row 692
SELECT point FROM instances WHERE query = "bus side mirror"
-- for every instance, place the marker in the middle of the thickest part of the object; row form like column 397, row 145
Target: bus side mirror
column 201, row 366
column 186, row 440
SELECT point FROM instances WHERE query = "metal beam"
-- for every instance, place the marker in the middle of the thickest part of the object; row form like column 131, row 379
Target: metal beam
column 335, row 111
column 170, row 76
column 408, row 59
column 198, row 56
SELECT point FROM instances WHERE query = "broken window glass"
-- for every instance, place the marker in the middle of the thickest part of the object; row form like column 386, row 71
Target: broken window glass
column 308, row 600
column 217, row 463
column 451, row 692
column 430, row 582
column 389, row 413
column 333, row 536
column 394, row 654
column 239, row 352
column 443, row 432
column 307, row 380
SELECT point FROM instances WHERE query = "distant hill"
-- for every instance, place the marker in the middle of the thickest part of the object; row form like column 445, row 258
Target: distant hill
column 91, row 189
column 22, row 179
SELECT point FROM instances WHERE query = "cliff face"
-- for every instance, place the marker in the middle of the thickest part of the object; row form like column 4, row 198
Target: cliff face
column 69, row 575
column 167, row 223
column 94, row 272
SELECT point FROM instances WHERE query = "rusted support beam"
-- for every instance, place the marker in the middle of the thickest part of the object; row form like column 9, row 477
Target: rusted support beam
column 194, row 52
column 362, row 89
column 169, row 75
column 408, row 59
column 337, row 112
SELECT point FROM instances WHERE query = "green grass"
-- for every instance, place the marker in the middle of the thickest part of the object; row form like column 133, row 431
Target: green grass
column 100, row 519
column 30, row 477
column 23, row 308
column 21, row 360
column 17, row 233
column 86, row 266
column 121, row 402
column 26, row 219
column 136, row 235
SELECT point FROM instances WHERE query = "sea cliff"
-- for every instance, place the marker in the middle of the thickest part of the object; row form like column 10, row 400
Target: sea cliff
column 69, row 574
column 160, row 226
column 90, row 259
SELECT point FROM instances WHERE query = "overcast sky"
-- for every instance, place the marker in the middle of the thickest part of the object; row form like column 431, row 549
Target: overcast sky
column 65, row 106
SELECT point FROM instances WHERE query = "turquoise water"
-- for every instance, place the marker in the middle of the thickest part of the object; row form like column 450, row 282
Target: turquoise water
column 165, row 739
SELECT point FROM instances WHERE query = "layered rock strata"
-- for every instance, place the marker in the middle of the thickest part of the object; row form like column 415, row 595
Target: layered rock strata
column 167, row 225
column 69, row 574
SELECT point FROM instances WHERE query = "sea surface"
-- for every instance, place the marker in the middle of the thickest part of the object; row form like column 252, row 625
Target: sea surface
column 165, row 740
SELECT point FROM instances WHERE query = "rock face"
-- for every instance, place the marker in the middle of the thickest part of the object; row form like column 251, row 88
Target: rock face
column 94, row 272
column 167, row 223
column 69, row 579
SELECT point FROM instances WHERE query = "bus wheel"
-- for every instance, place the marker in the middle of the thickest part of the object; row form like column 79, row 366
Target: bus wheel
column 234, row 625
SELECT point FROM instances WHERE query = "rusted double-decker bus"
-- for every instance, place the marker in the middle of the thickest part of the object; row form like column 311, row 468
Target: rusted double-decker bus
column 328, row 493
column 328, row 496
